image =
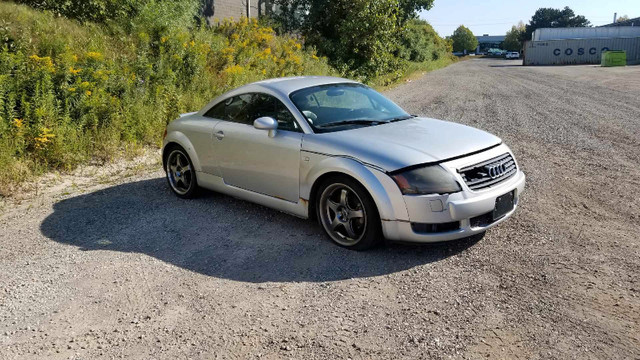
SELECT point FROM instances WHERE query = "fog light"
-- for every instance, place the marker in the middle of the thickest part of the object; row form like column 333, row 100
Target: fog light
column 436, row 205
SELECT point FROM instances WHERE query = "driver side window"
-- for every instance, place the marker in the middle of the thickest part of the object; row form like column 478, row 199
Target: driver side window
column 267, row 105
column 246, row 108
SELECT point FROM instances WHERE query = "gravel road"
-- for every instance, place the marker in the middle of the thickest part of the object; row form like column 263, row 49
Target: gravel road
column 124, row 269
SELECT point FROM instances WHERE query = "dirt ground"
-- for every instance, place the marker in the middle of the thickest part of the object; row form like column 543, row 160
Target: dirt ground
column 121, row 268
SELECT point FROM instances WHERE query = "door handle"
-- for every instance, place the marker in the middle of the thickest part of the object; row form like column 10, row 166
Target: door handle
column 219, row 135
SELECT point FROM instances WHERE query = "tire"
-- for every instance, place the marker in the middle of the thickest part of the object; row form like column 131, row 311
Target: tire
column 181, row 175
column 348, row 214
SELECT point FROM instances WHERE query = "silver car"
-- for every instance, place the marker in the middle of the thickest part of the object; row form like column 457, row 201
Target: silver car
column 336, row 150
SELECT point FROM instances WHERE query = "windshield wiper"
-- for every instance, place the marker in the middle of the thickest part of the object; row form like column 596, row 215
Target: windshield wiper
column 350, row 122
column 400, row 118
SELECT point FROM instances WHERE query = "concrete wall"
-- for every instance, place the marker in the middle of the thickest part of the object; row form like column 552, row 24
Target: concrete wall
column 578, row 51
column 216, row 10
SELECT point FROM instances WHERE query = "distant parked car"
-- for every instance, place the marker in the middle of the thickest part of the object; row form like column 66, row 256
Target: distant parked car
column 512, row 55
column 337, row 150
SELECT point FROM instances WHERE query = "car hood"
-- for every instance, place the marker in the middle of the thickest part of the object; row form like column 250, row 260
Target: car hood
column 404, row 143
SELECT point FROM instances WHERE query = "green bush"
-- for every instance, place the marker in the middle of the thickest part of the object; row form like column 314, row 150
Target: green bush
column 420, row 42
column 359, row 36
column 89, row 10
column 367, row 40
column 71, row 92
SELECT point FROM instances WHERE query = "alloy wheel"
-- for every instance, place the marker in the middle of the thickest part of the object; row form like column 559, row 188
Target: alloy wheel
column 343, row 214
column 179, row 172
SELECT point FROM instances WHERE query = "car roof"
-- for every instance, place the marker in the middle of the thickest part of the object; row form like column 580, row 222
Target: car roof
column 282, row 86
column 287, row 85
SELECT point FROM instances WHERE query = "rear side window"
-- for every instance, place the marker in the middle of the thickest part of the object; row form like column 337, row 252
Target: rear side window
column 235, row 109
column 216, row 112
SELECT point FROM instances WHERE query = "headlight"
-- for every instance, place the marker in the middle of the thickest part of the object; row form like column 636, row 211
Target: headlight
column 426, row 180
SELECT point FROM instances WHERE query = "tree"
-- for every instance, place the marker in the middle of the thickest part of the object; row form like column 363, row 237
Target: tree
column 360, row 36
column 554, row 18
column 409, row 9
column 622, row 18
column 291, row 14
column 420, row 42
column 512, row 41
column 463, row 39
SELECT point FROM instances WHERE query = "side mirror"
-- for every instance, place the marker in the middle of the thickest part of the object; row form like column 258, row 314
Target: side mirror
column 266, row 123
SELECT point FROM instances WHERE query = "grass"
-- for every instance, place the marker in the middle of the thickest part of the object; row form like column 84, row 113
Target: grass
column 71, row 93
column 413, row 70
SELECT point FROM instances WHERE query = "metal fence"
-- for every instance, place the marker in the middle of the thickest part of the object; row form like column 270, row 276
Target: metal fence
column 578, row 51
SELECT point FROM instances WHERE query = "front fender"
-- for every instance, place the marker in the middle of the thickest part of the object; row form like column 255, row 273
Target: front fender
column 381, row 187
column 182, row 140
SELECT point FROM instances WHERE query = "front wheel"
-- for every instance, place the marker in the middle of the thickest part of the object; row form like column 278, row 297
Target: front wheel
column 348, row 214
column 181, row 174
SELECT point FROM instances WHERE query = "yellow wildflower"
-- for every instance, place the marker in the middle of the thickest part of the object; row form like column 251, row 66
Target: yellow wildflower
column 264, row 35
column 88, row 92
column 74, row 71
column 72, row 89
column 101, row 74
column 75, row 58
column 234, row 70
column 44, row 138
column 192, row 43
column 43, row 62
column 163, row 39
column 94, row 55
column 295, row 59
column 18, row 123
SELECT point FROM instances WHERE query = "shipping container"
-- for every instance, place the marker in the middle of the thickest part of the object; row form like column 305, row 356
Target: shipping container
column 578, row 51
column 545, row 34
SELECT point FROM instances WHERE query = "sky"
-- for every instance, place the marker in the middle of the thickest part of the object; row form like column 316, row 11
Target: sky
column 495, row 17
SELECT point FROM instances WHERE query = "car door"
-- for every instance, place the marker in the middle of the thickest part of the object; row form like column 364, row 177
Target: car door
column 248, row 158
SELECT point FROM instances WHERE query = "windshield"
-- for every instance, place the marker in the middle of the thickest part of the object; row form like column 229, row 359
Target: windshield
column 336, row 107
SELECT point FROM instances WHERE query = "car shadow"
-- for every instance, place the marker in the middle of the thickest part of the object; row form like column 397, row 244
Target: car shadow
column 220, row 236
column 505, row 65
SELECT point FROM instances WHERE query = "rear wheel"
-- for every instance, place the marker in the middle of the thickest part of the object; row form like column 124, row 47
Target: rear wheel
column 180, row 173
column 348, row 214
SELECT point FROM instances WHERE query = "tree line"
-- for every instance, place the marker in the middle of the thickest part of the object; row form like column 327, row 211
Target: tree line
column 464, row 39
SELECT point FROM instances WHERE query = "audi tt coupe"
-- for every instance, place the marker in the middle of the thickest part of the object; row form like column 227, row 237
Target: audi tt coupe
column 336, row 150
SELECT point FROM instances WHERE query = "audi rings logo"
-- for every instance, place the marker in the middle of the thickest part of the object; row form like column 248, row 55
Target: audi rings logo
column 496, row 170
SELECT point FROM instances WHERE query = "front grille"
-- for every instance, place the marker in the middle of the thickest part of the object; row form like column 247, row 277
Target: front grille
column 435, row 228
column 489, row 173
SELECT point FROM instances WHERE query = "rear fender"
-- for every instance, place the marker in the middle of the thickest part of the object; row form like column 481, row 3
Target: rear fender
column 181, row 139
